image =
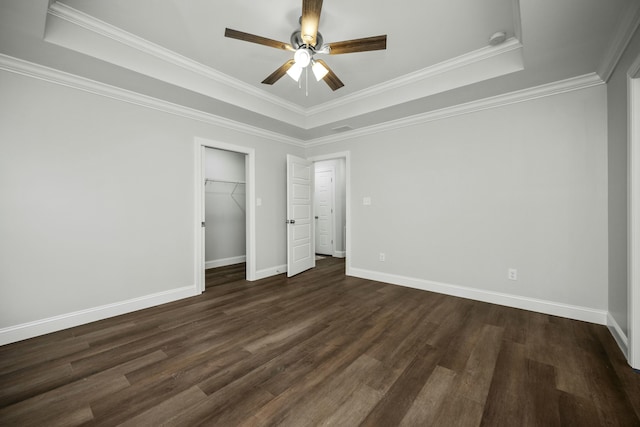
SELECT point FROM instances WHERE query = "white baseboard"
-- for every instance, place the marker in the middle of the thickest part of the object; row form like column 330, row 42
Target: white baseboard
column 272, row 271
column 541, row 306
column 618, row 335
column 57, row 323
column 339, row 254
column 224, row 262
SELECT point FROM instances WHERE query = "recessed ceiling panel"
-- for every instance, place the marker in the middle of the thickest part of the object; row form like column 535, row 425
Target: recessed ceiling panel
column 420, row 34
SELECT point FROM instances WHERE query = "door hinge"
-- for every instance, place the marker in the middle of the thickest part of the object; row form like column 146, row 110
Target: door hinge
column 202, row 224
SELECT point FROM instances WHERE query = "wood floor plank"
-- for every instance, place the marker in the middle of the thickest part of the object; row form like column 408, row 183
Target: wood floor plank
column 57, row 404
column 220, row 409
column 576, row 411
column 395, row 404
column 542, row 398
column 320, row 348
column 475, row 378
column 529, row 398
column 505, row 400
column 428, row 402
column 320, row 404
column 43, row 355
column 462, row 412
column 607, row 391
column 25, row 383
column 628, row 378
column 160, row 413
column 352, row 410
column 343, row 355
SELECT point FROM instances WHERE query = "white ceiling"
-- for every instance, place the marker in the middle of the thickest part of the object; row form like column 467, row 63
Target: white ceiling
column 437, row 53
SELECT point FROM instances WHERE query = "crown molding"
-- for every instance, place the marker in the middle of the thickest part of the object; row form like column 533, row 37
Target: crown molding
column 90, row 23
column 562, row 86
column 622, row 38
column 51, row 75
column 465, row 60
column 29, row 69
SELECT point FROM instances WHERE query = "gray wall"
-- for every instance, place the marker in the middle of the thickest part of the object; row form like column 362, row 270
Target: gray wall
column 97, row 199
column 617, row 109
column 459, row 201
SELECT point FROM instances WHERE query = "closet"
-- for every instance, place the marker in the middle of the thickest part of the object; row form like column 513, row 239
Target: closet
column 225, row 210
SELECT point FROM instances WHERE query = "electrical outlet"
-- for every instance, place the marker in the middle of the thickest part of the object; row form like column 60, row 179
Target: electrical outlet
column 382, row 256
column 513, row 274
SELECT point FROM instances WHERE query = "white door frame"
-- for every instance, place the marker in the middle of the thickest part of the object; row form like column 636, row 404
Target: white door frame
column 346, row 155
column 199, row 175
column 633, row 89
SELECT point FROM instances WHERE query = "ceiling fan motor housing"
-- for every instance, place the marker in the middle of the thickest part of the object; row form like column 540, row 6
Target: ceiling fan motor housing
column 297, row 42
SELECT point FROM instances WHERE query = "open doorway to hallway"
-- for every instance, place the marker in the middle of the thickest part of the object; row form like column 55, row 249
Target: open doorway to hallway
column 329, row 208
column 340, row 230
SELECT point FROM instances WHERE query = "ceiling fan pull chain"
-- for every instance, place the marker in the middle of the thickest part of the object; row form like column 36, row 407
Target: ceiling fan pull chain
column 306, row 80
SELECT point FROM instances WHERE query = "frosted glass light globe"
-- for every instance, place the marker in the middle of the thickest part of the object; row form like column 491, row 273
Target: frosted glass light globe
column 302, row 57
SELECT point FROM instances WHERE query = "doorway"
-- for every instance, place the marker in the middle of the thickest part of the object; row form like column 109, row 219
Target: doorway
column 224, row 213
column 337, row 234
column 323, row 207
column 329, row 207
column 231, row 180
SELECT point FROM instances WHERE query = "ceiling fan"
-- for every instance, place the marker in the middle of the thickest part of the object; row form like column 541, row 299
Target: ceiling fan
column 307, row 42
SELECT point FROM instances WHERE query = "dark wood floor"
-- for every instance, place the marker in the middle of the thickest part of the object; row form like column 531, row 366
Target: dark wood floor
column 320, row 348
column 224, row 275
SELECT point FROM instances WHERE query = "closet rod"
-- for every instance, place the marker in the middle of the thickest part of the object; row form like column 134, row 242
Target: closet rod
column 225, row 182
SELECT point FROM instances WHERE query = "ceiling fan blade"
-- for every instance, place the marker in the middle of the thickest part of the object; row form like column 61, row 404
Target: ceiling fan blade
column 359, row 45
column 239, row 35
column 310, row 20
column 277, row 74
column 331, row 79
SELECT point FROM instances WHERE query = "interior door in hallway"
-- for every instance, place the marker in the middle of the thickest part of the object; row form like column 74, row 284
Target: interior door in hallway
column 300, row 247
column 324, row 209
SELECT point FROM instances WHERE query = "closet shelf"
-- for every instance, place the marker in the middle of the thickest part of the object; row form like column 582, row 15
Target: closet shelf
column 236, row 184
column 206, row 181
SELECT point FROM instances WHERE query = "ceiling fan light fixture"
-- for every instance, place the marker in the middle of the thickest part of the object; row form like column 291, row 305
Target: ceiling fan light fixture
column 302, row 57
column 319, row 70
column 295, row 71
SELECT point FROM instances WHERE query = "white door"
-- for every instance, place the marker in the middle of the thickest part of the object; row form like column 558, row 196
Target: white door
column 324, row 211
column 300, row 247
